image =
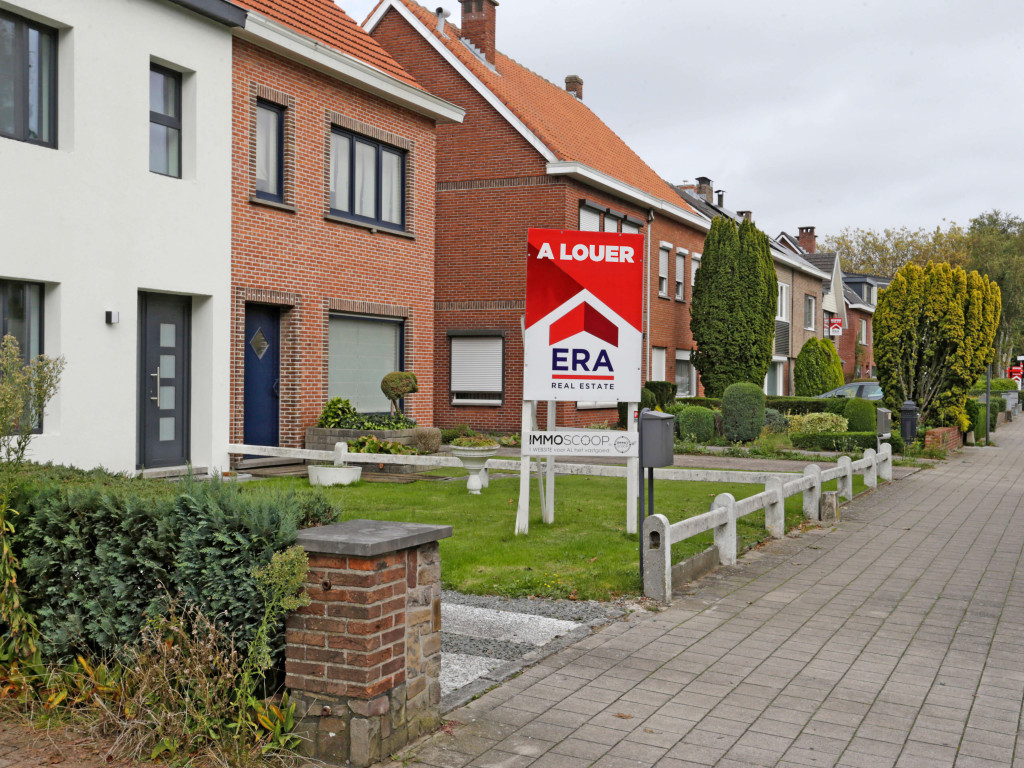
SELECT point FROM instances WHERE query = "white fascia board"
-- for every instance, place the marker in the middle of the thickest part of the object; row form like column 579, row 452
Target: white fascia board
column 464, row 71
column 278, row 38
column 596, row 178
column 863, row 307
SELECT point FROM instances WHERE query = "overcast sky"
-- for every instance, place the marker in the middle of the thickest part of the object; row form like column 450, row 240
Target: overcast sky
column 873, row 114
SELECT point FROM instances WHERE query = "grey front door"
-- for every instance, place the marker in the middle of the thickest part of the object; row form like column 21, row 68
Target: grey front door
column 164, row 379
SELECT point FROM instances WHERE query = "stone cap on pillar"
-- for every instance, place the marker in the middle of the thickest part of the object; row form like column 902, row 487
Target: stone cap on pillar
column 367, row 538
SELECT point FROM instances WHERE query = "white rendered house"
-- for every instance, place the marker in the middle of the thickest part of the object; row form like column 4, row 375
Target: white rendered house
column 115, row 222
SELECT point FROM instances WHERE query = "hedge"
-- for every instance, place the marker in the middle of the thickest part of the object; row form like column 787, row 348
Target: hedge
column 664, row 392
column 742, row 412
column 860, row 414
column 833, row 441
column 713, row 403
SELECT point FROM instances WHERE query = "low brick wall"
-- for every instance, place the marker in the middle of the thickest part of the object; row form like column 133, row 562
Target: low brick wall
column 946, row 438
column 363, row 659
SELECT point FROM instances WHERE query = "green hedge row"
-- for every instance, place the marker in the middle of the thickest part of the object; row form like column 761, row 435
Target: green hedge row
column 786, row 404
column 842, row 441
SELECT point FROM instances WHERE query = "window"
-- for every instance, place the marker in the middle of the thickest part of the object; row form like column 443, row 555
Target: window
column 873, row 293
column 269, row 151
column 810, row 304
column 680, row 275
column 686, row 375
column 597, row 218
column 367, row 180
column 590, row 220
column 477, row 368
column 862, row 337
column 694, row 266
column 773, row 380
column 663, row 270
column 164, row 121
column 28, row 81
column 21, row 315
column 658, row 364
column 782, row 309
column 360, row 352
column 611, row 223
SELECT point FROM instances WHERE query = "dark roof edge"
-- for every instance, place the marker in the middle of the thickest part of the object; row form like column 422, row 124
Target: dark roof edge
column 221, row 11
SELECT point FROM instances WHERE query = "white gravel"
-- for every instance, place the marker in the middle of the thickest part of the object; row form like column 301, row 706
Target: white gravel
column 502, row 625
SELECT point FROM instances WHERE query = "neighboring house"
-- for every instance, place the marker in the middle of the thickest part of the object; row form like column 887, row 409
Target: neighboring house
column 529, row 154
column 800, row 289
column 332, row 268
column 115, row 150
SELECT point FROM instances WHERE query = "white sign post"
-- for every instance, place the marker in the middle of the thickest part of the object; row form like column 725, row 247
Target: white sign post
column 582, row 340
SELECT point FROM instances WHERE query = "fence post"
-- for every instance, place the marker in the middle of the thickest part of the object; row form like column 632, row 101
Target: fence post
column 812, row 496
column 885, row 463
column 845, row 484
column 657, row 543
column 871, row 473
column 725, row 534
column 775, row 510
column 340, row 453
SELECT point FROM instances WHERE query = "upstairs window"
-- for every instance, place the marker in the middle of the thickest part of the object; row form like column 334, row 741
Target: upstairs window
column 367, row 180
column 663, row 254
column 269, row 151
column 595, row 217
column 680, row 275
column 782, row 308
column 164, row 121
column 694, row 266
column 28, row 81
column 809, row 311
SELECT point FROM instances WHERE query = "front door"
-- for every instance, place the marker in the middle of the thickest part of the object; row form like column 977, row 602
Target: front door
column 262, row 374
column 164, row 379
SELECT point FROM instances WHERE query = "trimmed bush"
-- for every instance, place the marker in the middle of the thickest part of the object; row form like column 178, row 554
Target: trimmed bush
column 427, row 439
column 860, row 415
column 742, row 412
column 797, row 405
column 695, row 423
column 648, row 399
column 775, row 422
column 998, row 385
column 815, row 423
column 664, row 392
column 817, row 368
column 833, row 441
column 704, row 402
column 398, row 384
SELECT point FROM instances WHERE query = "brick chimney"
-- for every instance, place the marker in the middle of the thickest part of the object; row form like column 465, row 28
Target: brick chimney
column 745, row 215
column 478, row 25
column 574, row 85
column 705, row 188
column 806, row 239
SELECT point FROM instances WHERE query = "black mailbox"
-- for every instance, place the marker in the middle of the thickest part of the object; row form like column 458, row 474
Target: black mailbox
column 657, row 438
column 883, row 420
column 908, row 421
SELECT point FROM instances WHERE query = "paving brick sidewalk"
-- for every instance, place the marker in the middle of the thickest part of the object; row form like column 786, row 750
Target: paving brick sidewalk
column 893, row 639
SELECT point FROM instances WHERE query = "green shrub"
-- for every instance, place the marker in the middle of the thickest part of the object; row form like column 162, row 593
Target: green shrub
column 337, row 413
column 814, row 423
column 398, row 384
column 817, row 368
column 373, row 444
column 623, row 415
column 695, row 423
column 648, row 399
column 742, row 412
column 703, row 402
column 836, row 405
column 833, row 441
column 774, row 422
column 480, row 441
column 998, row 385
column 427, row 439
column 896, row 441
column 860, row 415
column 664, row 392
column 797, row 405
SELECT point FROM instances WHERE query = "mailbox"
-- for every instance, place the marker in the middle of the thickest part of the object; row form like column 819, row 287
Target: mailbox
column 883, row 419
column 908, row 421
column 657, row 438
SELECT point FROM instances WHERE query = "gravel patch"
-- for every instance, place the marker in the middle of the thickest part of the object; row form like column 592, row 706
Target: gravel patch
column 501, row 650
column 589, row 612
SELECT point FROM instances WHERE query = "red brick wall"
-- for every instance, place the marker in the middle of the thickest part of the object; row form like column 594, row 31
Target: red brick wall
column 309, row 266
column 848, row 342
column 946, row 438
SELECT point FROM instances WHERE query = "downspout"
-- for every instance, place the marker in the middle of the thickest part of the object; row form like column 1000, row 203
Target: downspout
column 647, row 291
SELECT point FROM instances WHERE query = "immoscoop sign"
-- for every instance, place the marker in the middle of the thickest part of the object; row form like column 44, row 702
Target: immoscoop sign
column 582, row 341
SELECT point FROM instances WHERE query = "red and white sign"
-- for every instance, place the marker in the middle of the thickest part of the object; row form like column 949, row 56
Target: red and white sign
column 835, row 326
column 1015, row 372
column 584, row 316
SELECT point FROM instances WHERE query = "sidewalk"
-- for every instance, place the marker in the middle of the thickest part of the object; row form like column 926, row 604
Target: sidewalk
column 890, row 640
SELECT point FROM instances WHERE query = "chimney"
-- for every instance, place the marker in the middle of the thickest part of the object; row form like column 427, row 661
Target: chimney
column 704, row 188
column 806, row 239
column 721, row 198
column 478, row 25
column 574, row 85
column 442, row 14
column 745, row 215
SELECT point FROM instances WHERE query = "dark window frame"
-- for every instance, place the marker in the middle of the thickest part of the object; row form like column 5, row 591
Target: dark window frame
column 486, row 401
column 5, row 299
column 277, row 197
column 380, row 148
column 22, row 28
column 166, row 120
column 399, row 321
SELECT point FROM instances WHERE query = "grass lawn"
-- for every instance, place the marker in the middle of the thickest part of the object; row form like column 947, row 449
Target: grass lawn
column 585, row 554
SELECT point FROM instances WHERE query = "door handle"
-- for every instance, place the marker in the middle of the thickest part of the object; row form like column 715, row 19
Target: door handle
column 276, row 389
column 157, row 377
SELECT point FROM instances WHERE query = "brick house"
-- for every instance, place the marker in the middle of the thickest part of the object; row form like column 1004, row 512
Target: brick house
column 529, row 154
column 800, row 289
column 332, row 204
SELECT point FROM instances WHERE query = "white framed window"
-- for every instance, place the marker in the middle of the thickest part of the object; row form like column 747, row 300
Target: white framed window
column 590, row 219
column 686, row 375
column 658, row 364
column 782, row 310
column 810, row 308
column 773, row 381
column 477, row 368
column 680, row 275
column 663, row 254
column 862, row 337
column 694, row 266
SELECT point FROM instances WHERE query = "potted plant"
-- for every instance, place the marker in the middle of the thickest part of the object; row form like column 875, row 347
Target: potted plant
column 338, row 473
column 474, row 452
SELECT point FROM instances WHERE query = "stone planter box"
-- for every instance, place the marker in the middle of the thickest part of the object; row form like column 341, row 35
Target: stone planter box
column 318, row 439
column 475, row 460
column 322, row 475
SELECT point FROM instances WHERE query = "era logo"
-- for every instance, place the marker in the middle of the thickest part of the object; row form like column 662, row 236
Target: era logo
column 580, row 360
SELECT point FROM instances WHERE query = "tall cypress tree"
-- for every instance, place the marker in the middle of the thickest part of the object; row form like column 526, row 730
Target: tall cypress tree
column 733, row 314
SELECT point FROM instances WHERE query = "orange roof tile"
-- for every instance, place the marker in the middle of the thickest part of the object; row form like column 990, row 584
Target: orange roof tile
column 561, row 121
column 326, row 23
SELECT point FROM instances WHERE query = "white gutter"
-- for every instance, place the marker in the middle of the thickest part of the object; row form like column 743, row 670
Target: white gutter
column 596, row 178
column 290, row 44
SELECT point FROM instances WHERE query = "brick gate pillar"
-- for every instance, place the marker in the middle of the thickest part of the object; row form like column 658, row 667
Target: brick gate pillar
column 363, row 659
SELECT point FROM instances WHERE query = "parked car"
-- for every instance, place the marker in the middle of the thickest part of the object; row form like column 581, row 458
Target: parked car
column 869, row 390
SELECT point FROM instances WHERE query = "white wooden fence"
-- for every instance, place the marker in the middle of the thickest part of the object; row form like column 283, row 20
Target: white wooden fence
column 659, row 535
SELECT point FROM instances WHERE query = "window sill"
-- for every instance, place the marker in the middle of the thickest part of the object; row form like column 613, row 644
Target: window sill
column 809, row 329
column 492, row 403
column 681, row 301
column 373, row 228
column 663, row 296
column 272, row 204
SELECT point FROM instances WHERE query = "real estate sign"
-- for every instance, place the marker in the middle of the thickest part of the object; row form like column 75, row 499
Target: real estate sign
column 584, row 316
column 835, row 326
column 582, row 442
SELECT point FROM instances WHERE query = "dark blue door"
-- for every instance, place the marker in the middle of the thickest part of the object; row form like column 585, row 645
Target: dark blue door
column 262, row 373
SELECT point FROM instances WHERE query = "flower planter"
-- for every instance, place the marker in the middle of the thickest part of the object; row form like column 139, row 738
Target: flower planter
column 475, row 460
column 321, row 475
